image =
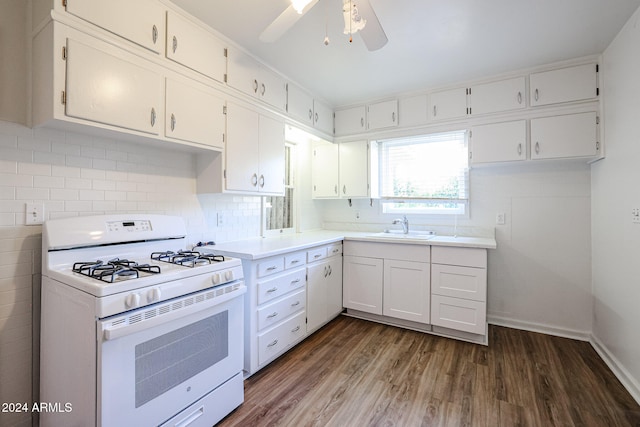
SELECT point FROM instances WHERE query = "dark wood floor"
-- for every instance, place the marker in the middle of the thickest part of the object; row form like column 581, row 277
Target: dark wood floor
column 357, row 373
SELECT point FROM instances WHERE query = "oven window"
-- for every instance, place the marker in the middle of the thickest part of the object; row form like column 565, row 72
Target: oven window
column 170, row 359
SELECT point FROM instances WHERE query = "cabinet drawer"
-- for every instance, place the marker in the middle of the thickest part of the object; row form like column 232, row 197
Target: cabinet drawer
column 297, row 259
column 274, row 342
column 316, row 254
column 278, row 286
column 280, row 310
column 270, row 266
column 459, row 314
column 334, row 250
column 469, row 257
column 459, row 282
column 399, row 251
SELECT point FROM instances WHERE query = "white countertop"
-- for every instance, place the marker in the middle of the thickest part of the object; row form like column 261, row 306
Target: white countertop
column 263, row 247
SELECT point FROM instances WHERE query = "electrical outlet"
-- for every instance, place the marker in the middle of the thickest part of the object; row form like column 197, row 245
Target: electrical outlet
column 357, row 215
column 220, row 219
column 34, row 213
column 635, row 216
column 501, row 218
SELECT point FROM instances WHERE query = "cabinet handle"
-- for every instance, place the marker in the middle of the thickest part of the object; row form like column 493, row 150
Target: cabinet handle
column 295, row 261
column 326, row 272
column 254, row 179
column 295, row 304
column 272, row 315
column 535, row 95
column 264, row 89
column 154, row 34
column 519, row 97
column 335, row 251
column 272, row 290
column 335, row 189
column 316, row 256
column 153, row 117
column 316, row 117
column 393, row 117
column 273, row 343
column 435, row 111
column 255, row 86
column 175, row 44
column 296, row 329
column 330, row 271
column 310, row 114
column 273, row 267
column 173, row 122
column 261, row 181
column 537, row 148
column 344, row 189
column 293, row 282
column 361, row 122
column 520, row 149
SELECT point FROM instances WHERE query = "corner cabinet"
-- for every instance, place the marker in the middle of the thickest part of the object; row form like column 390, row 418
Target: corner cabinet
column 577, row 83
column 254, row 79
column 340, row 170
column 565, row 136
column 254, row 152
column 324, row 285
column 350, row 121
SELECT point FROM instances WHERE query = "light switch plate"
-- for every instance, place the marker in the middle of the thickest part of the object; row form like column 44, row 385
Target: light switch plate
column 501, row 218
column 34, row 213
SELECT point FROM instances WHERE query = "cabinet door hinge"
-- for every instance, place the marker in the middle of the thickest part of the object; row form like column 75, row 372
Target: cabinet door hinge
column 225, row 77
column 63, row 98
column 470, row 155
column 224, row 109
column 224, row 174
column 597, row 68
column 64, row 3
column 225, row 52
column 64, row 53
column 597, row 120
column 223, row 137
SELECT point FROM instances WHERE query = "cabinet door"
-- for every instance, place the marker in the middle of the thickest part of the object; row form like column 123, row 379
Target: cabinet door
column 194, row 114
column 194, row 47
column 350, row 121
column 272, row 162
column 334, row 287
column 382, row 115
column 354, row 169
column 317, row 294
column 299, row 104
column 362, row 284
column 448, row 104
column 140, row 21
column 412, row 111
column 499, row 142
column 564, row 85
column 406, row 290
column 242, row 72
column 499, row 96
column 241, row 153
column 111, row 90
column 324, row 170
column 272, row 88
column 572, row 135
column 322, row 117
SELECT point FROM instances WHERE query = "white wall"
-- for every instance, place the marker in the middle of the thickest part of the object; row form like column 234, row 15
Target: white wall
column 540, row 274
column 616, row 240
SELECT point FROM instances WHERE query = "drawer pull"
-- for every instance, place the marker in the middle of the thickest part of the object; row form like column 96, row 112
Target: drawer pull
column 296, row 329
column 293, row 282
column 273, row 267
column 335, row 251
column 295, row 304
column 272, row 315
column 272, row 290
column 295, row 261
column 317, row 256
column 275, row 342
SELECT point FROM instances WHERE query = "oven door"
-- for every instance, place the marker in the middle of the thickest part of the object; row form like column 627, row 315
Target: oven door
column 156, row 361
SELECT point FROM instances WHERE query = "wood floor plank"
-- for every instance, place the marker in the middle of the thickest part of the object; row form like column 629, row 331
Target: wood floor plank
column 358, row 373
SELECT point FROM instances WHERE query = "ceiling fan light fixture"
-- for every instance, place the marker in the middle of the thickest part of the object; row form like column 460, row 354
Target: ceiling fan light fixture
column 353, row 21
column 299, row 5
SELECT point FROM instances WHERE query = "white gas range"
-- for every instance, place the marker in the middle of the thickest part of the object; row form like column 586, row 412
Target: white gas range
column 136, row 329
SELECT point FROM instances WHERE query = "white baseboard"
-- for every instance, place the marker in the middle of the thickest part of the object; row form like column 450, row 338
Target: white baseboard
column 541, row 328
column 627, row 380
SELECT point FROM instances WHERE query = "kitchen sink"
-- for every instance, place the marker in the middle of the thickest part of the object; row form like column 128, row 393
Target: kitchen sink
column 399, row 235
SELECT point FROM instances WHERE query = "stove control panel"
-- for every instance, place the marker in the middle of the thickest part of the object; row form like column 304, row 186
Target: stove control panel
column 128, row 226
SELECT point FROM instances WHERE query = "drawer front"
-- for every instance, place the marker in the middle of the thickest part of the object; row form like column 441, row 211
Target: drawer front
column 280, row 310
column 316, row 254
column 459, row 314
column 297, row 259
column 274, row 342
column 270, row 266
column 459, row 282
column 469, row 257
column 399, row 251
column 270, row 289
column 335, row 250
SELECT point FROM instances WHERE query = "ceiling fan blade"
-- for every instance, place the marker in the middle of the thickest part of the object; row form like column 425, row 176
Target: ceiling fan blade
column 282, row 23
column 372, row 34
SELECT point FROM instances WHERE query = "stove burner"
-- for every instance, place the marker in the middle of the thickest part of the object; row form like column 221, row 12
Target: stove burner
column 113, row 270
column 186, row 258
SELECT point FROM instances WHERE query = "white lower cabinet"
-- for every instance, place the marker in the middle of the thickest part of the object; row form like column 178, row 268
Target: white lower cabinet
column 289, row 296
column 363, row 283
column 459, row 289
column 406, row 290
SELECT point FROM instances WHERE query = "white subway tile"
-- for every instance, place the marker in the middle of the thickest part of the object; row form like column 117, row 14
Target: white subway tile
column 93, row 152
column 125, row 186
column 91, row 195
column 103, row 184
column 104, row 206
column 49, row 134
column 16, row 154
column 116, row 175
column 50, row 158
column 65, row 148
column 7, row 219
column 126, row 206
column 34, row 169
column 11, row 180
column 8, row 141
column 104, row 164
column 78, row 183
column 92, row 173
column 8, row 166
column 77, row 206
column 65, row 171
column 79, row 162
column 115, row 195
column 7, row 193
column 64, row 194
column 30, row 193
column 48, row 181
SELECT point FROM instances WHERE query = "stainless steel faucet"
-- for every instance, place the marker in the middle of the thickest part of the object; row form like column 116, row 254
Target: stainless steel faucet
column 405, row 223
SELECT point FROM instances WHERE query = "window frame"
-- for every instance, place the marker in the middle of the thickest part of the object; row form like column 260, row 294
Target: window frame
column 292, row 184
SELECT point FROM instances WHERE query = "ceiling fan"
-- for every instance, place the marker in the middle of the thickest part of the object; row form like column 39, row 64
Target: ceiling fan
column 358, row 16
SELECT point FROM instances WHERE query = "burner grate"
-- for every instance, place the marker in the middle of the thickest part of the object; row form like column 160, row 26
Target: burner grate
column 113, row 270
column 186, row 258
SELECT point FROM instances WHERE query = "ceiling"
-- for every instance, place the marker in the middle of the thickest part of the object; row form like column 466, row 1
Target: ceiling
column 431, row 42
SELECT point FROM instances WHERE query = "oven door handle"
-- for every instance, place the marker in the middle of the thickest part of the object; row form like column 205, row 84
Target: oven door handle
column 112, row 329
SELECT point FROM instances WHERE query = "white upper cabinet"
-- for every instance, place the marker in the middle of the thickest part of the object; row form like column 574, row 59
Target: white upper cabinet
column 104, row 88
column 564, row 85
column 322, row 117
column 194, row 113
column 499, row 142
column 140, row 21
column 412, row 111
column 448, row 104
column 382, row 115
column 503, row 95
column 249, row 76
column 272, row 161
column 571, row 135
column 324, row 170
column 299, row 104
column 194, row 47
column 350, row 121
column 354, row 169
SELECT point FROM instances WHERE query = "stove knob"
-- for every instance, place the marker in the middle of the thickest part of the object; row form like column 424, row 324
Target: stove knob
column 132, row 300
column 228, row 275
column 153, row 295
column 215, row 279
